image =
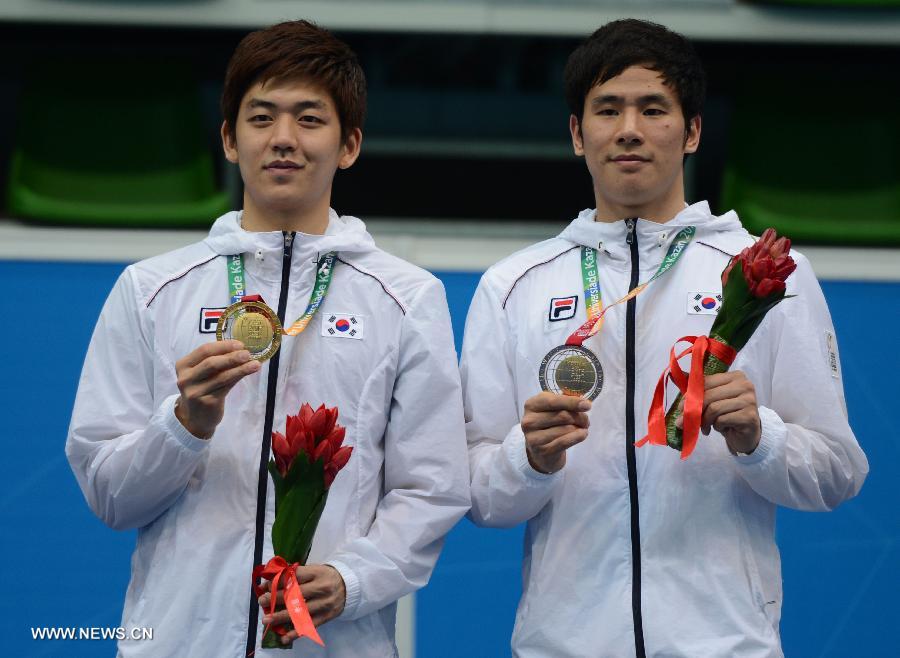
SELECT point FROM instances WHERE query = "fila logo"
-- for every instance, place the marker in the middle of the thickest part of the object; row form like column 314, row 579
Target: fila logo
column 209, row 318
column 562, row 308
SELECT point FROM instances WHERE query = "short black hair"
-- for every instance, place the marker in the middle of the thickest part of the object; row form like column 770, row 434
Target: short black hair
column 631, row 42
column 297, row 50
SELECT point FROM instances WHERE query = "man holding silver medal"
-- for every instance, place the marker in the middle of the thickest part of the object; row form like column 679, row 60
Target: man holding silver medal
column 171, row 431
column 638, row 553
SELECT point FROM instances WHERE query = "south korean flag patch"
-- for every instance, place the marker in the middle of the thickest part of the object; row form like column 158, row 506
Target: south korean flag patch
column 704, row 303
column 342, row 325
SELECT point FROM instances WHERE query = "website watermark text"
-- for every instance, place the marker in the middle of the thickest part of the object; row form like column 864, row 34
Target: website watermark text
column 91, row 633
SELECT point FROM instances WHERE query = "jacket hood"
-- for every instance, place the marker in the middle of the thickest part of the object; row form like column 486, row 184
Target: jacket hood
column 724, row 232
column 343, row 234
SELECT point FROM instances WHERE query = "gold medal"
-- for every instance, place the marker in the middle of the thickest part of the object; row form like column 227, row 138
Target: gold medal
column 571, row 370
column 253, row 330
column 255, row 325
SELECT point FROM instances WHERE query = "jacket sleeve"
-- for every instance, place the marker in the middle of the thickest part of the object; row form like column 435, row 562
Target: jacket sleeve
column 808, row 457
column 506, row 490
column 132, row 457
column 426, row 477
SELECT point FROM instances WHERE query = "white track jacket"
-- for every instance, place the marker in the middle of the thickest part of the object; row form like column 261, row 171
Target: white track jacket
column 632, row 551
column 204, row 509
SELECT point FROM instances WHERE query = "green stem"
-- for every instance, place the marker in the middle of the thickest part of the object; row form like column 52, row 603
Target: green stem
column 271, row 640
column 712, row 365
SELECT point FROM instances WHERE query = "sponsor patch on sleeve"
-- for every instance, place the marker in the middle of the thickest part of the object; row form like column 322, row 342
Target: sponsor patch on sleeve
column 834, row 363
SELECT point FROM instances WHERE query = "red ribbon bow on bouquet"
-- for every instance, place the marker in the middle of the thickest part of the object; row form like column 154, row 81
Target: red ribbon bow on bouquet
column 274, row 570
column 691, row 385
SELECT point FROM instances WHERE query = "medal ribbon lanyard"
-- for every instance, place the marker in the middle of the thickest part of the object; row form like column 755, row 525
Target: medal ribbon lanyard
column 236, row 282
column 592, row 299
column 324, row 272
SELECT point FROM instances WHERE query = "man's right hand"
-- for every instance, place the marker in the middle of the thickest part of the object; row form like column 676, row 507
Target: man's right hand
column 552, row 424
column 204, row 378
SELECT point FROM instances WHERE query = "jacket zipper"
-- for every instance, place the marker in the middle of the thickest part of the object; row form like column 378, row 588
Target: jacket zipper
column 265, row 449
column 630, row 438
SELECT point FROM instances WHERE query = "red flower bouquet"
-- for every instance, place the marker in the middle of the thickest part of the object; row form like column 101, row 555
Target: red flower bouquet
column 753, row 282
column 307, row 458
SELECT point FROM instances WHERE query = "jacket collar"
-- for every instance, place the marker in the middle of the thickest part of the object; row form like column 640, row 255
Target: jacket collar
column 724, row 232
column 263, row 251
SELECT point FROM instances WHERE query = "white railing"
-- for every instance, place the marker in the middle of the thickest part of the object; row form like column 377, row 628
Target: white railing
column 446, row 245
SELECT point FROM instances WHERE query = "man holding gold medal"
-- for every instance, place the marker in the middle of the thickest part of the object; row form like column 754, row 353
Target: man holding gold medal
column 199, row 354
column 641, row 553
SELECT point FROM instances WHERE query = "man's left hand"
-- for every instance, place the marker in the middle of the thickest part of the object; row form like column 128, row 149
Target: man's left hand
column 729, row 407
column 324, row 591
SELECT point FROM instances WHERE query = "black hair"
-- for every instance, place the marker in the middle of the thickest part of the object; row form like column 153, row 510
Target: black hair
column 297, row 50
column 631, row 42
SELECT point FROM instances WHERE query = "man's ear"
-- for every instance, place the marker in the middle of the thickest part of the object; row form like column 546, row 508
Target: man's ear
column 577, row 140
column 350, row 149
column 229, row 143
column 692, row 136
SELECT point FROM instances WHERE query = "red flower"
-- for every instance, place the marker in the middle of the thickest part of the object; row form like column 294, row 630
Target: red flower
column 315, row 434
column 338, row 461
column 283, row 453
column 765, row 264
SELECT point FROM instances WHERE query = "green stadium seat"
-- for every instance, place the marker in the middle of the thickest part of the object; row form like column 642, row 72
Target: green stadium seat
column 116, row 144
column 815, row 159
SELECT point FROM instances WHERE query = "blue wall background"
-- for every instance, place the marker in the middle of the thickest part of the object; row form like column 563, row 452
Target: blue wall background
column 62, row 567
